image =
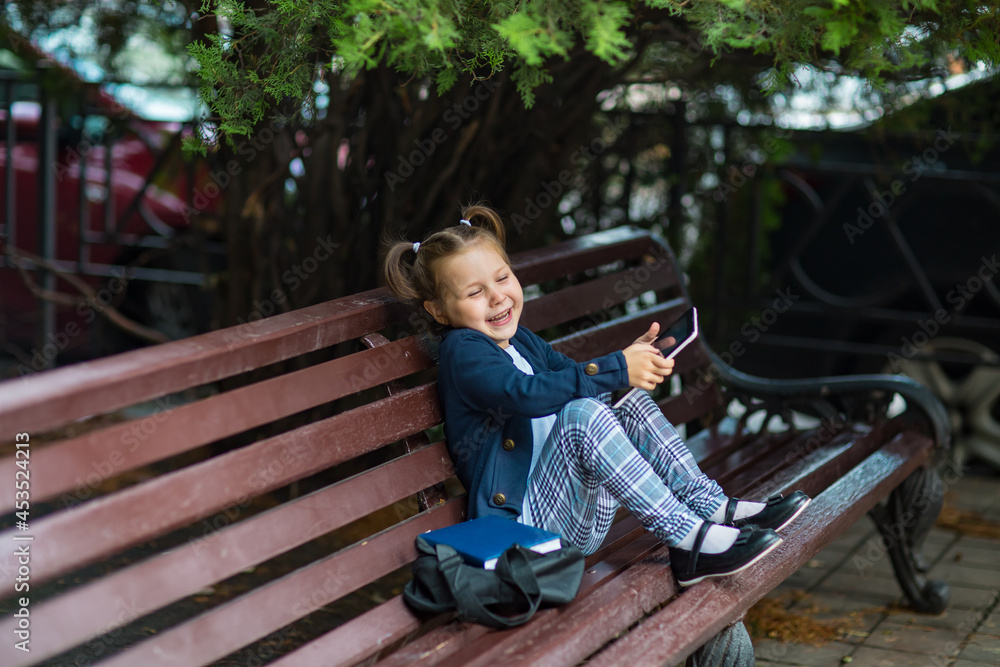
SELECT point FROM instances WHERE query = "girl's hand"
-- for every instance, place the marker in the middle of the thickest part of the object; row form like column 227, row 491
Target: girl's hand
column 649, row 338
column 646, row 366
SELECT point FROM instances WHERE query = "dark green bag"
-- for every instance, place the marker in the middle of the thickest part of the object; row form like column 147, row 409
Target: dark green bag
column 505, row 597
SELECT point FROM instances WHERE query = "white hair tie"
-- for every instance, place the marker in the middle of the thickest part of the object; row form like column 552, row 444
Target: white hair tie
column 465, row 222
column 416, row 246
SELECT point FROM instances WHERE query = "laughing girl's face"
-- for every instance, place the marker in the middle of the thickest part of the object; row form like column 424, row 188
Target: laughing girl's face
column 478, row 290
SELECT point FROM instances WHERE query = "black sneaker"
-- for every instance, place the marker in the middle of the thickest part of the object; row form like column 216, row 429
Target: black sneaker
column 690, row 567
column 778, row 512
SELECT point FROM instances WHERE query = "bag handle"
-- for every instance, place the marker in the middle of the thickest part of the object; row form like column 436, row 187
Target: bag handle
column 519, row 576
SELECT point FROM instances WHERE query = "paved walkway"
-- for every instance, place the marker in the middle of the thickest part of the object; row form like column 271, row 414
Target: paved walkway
column 849, row 587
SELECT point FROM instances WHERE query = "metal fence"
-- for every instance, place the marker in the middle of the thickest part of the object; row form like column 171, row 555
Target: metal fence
column 102, row 243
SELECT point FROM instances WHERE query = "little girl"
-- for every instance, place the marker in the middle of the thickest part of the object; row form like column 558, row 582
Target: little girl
column 533, row 434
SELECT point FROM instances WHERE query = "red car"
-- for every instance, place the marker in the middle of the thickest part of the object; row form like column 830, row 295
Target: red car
column 155, row 221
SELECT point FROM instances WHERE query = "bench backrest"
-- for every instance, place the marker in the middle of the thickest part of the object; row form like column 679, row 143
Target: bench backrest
column 154, row 485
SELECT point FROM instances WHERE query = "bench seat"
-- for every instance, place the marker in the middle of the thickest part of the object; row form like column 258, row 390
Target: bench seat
column 252, row 495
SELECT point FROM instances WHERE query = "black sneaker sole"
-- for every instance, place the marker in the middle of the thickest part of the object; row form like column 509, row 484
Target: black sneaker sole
column 691, row 582
column 794, row 516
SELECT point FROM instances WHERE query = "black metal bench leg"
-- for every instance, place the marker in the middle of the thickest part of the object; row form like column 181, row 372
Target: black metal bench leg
column 904, row 521
column 730, row 648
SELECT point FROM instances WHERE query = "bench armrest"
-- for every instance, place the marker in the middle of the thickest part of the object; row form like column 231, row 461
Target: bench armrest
column 843, row 393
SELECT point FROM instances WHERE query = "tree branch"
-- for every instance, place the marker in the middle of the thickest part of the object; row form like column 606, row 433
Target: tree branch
column 20, row 259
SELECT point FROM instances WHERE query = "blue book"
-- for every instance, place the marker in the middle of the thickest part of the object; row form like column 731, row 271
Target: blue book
column 481, row 541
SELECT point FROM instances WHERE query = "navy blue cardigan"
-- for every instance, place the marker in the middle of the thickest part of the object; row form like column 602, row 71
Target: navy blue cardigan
column 488, row 406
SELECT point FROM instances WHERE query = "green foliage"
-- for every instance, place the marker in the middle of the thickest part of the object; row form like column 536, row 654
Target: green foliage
column 873, row 38
column 533, row 38
column 269, row 53
column 527, row 79
column 274, row 55
column 270, row 56
column 604, row 30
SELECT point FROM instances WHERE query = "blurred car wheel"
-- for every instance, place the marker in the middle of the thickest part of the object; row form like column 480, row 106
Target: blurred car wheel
column 971, row 393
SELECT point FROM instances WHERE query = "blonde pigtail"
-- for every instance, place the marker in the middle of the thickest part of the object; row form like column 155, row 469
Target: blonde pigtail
column 398, row 267
column 485, row 217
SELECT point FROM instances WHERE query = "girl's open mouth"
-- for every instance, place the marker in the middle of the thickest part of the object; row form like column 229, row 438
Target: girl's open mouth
column 501, row 319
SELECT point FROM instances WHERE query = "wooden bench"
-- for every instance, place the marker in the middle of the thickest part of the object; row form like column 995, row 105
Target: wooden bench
column 251, row 496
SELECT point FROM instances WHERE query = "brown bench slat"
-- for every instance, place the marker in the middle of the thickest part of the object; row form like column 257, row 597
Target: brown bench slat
column 766, row 455
column 438, row 644
column 598, row 340
column 683, row 408
column 577, row 255
column 358, row 639
column 78, row 536
column 771, row 459
column 586, row 298
column 58, row 397
column 126, row 446
column 812, row 475
column 624, row 530
column 711, row 439
column 809, row 463
column 724, row 448
column 237, row 623
column 93, row 609
column 827, row 469
column 668, row 635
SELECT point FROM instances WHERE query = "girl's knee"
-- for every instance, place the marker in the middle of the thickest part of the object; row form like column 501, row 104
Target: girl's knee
column 641, row 399
column 586, row 403
column 583, row 409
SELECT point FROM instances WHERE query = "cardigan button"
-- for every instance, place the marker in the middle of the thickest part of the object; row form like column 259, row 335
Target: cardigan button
column 499, row 499
column 590, row 369
column 508, row 444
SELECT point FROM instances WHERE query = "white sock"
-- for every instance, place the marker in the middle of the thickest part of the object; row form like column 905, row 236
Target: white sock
column 744, row 509
column 717, row 539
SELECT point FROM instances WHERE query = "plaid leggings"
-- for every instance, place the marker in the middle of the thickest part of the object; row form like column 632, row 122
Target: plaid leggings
column 597, row 457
